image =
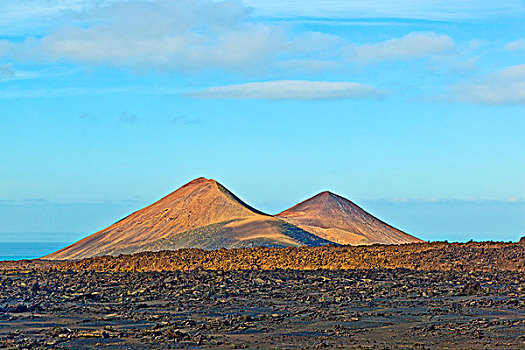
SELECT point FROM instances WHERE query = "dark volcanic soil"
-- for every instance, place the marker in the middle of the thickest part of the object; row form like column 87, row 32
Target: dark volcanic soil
column 263, row 309
column 479, row 304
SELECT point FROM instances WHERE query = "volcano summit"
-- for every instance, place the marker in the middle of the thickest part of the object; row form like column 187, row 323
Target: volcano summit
column 204, row 214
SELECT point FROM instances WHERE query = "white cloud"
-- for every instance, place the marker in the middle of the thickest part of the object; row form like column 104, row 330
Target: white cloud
column 160, row 34
column 270, row 90
column 414, row 45
column 202, row 35
column 7, row 72
column 503, row 87
column 454, row 64
column 20, row 17
column 417, row 9
column 33, row 14
column 291, row 90
column 515, row 45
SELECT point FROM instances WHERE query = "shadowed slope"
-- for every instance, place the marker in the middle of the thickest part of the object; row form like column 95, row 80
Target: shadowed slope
column 202, row 208
column 337, row 219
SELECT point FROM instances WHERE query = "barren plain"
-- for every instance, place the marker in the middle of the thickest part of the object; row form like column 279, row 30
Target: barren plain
column 422, row 296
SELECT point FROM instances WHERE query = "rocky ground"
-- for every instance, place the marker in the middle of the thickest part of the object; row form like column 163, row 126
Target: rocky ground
column 473, row 256
column 385, row 309
column 447, row 296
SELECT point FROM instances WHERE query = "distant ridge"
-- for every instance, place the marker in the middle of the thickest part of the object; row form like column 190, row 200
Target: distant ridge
column 337, row 219
column 200, row 214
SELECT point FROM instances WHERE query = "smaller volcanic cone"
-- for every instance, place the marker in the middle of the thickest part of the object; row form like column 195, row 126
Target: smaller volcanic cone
column 337, row 219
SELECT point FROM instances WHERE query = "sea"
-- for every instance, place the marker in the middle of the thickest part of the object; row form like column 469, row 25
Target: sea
column 28, row 250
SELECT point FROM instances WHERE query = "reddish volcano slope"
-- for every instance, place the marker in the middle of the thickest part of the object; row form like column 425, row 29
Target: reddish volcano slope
column 337, row 219
column 201, row 214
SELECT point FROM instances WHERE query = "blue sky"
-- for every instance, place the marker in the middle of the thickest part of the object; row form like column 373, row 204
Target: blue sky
column 416, row 112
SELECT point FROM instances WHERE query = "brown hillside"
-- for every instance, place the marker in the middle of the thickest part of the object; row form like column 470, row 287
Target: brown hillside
column 337, row 219
column 201, row 214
